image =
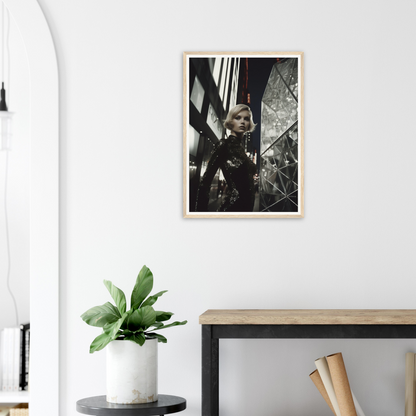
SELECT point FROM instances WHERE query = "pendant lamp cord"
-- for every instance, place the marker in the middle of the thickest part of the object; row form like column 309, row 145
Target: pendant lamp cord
column 8, row 56
column 9, row 260
column 2, row 41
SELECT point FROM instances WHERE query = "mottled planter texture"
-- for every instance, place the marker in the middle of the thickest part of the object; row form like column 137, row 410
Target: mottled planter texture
column 132, row 372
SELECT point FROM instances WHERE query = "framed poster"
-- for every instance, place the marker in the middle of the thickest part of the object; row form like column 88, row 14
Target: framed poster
column 243, row 140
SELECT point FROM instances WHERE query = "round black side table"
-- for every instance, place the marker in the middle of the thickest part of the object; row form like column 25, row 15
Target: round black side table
column 99, row 406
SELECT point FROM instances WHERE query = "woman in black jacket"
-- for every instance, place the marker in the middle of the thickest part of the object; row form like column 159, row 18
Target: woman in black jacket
column 237, row 168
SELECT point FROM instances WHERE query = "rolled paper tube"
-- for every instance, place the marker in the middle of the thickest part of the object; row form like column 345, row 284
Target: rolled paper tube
column 341, row 384
column 409, row 407
column 357, row 406
column 323, row 370
column 316, row 378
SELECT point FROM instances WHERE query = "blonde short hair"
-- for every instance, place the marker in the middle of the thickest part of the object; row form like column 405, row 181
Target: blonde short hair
column 234, row 111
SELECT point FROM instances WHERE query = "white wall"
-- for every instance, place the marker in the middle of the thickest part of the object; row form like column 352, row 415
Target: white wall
column 18, row 183
column 121, row 192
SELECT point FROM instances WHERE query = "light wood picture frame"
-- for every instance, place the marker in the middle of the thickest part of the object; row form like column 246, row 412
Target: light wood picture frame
column 243, row 169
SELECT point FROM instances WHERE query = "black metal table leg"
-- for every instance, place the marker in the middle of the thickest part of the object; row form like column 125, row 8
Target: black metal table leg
column 210, row 372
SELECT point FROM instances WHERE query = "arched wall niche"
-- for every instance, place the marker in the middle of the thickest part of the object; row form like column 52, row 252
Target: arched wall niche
column 44, row 206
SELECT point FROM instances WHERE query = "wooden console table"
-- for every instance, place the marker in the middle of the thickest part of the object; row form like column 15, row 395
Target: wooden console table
column 291, row 323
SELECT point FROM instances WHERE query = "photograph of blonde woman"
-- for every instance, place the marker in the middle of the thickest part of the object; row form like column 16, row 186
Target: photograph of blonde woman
column 237, row 168
column 242, row 141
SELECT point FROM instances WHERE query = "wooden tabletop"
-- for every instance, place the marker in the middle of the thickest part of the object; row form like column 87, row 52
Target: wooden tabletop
column 308, row 317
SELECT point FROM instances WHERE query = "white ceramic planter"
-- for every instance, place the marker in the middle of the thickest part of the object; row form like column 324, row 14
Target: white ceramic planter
column 132, row 372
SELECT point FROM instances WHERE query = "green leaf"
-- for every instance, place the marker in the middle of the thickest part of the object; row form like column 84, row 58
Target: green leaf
column 160, row 338
column 152, row 299
column 157, row 325
column 133, row 321
column 101, row 315
column 138, row 338
column 127, row 333
column 100, row 342
column 148, row 316
column 143, row 286
column 173, row 324
column 112, row 329
column 124, row 324
column 163, row 316
column 118, row 296
column 141, row 318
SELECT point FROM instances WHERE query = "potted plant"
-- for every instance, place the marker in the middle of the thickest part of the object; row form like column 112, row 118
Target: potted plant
column 131, row 340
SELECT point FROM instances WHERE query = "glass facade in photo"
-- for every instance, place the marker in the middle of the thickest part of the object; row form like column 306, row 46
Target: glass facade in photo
column 279, row 183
